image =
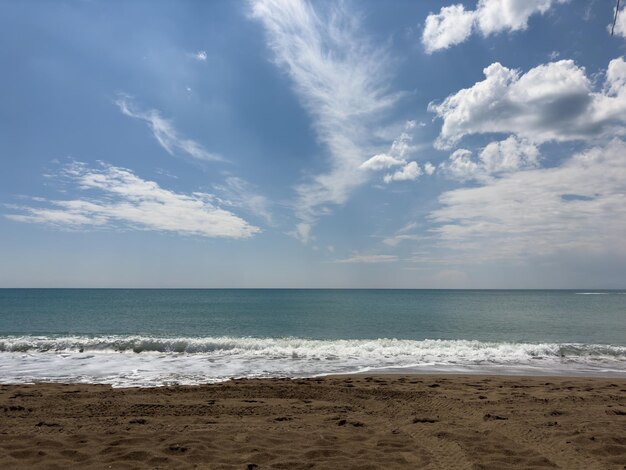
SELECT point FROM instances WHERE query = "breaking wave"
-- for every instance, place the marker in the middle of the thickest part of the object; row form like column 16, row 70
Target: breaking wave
column 150, row 361
column 456, row 350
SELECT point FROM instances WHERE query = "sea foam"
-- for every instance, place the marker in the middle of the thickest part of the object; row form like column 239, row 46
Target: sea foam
column 153, row 361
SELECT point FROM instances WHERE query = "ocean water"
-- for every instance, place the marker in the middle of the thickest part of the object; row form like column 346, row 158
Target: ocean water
column 151, row 337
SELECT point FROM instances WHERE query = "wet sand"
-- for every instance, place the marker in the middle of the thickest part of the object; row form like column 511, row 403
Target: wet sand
column 361, row 421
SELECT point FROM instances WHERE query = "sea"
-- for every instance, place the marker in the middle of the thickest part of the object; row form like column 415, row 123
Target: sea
column 156, row 337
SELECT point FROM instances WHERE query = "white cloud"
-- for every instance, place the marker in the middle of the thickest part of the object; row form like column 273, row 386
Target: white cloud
column 405, row 233
column 497, row 158
column 554, row 101
column 407, row 228
column 620, row 24
column 495, row 16
column 454, row 25
column 460, row 165
column 451, row 26
column 116, row 197
column 400, row 147
column 578, row 207
column 429, row 168
column 615, row 84
column 200, row 56
column 410, row 172
column 368, row 259
column 382, row 161
column 341, row 79
column 511, row 154
column 165, row 133
column 303, row 232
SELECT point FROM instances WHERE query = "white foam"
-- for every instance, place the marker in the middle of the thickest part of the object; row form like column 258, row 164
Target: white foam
column 152, row 361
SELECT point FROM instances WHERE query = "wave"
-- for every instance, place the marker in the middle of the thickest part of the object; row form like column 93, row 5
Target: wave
column 311, row 348
column 154, row 361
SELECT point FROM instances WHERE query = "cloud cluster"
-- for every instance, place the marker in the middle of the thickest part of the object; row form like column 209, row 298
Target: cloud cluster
column 454, row 25
column 165, row 133
column 551, row 102
column 396, row 157
column 579, row 206
column 496, row 159
column 116, row 197
column 410, row 172
column 341, row 79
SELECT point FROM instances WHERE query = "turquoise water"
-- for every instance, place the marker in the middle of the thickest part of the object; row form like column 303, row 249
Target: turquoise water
column 156, row 336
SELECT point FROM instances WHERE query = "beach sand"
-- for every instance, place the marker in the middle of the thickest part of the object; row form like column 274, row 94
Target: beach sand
column 360, row 421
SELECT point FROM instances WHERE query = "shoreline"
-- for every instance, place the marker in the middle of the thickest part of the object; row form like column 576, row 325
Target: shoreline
column 365, row 420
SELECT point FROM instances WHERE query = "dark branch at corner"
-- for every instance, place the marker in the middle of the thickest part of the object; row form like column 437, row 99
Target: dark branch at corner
column 615, row 17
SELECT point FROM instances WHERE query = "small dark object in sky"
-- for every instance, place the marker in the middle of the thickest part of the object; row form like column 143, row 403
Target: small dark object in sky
column 615, row 17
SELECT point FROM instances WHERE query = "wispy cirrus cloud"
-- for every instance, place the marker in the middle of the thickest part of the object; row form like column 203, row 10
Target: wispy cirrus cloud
column 342, row 80
column 454, row 24
column 115, row 197
column 406, row 233
column 368, row 259
column 165, row 133
column 237, row 192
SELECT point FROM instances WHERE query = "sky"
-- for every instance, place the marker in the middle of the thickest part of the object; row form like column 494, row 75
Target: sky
column 286, row 143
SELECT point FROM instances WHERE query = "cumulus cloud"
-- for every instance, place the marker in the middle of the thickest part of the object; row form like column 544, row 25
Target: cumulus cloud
column 460, row 165
column 400, row 147
column 451, row 26
column 165, row 133
column 410, row 172
column 342, row 80
column 200, row 56
column 116, row 197
column 511, row 154
column 615, row 84
column 579, row 206
column 454, row 25
column 554, row 101
column 497, row 158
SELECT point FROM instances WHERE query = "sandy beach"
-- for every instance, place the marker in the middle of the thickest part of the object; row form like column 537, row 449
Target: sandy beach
column 361, row 421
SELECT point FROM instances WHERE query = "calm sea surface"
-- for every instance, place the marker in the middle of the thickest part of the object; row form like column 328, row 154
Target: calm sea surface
column 159, row 336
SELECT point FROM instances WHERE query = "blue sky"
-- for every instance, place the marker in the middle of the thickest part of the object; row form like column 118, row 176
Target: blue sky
column 281, row 143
